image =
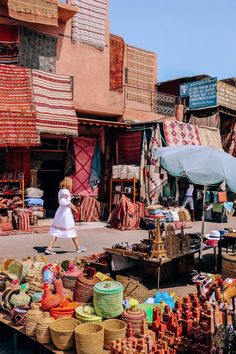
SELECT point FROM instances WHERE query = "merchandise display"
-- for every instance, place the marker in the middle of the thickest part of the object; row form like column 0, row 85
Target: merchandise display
column 105, row 313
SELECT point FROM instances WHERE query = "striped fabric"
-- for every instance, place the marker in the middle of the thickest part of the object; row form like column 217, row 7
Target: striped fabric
column 17, row 113
column 9, row 44
column 55, row 112
column 88, row 25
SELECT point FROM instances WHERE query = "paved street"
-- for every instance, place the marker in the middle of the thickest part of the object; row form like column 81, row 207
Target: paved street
column 95, row 239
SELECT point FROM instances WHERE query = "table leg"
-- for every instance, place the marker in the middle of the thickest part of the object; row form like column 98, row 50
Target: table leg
column 14, row 342
column 158, row 276
column 215, row 260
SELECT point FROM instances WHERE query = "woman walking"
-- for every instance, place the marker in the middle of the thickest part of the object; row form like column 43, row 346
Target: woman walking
column 63, row 225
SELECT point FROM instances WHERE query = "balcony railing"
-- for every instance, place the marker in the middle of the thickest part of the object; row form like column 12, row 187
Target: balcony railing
column 149, row 100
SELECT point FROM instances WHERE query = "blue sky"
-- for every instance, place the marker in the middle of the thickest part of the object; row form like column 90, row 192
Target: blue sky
column 190, row 36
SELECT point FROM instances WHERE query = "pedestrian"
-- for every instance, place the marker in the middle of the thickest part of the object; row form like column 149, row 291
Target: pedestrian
column 63, row 224
column 188, row 200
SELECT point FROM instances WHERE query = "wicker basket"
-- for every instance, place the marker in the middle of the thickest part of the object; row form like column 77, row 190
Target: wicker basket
column 113, row 330
column 83, row 291
column 108, row 299
column 89, row 338
column 42, row 329
column 62, row 333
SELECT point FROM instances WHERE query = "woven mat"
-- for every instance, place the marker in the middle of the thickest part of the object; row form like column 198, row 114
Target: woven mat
column 181, row 134
column 88, row 25
column 55, row 112
column 117, row 47
column 134, row 289
column 17, row 114
column 40, row 11
column 84, row 149
column 37, row 50
column 9, row 44
column 129, row 148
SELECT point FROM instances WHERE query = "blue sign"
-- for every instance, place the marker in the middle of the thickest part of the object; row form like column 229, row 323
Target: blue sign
column 201, row 93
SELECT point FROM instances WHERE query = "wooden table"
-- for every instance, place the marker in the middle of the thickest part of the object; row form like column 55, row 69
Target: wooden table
column 17, row 330
column 154, row 263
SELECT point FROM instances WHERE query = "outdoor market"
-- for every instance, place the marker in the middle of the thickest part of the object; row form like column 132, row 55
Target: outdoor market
column 117, row 182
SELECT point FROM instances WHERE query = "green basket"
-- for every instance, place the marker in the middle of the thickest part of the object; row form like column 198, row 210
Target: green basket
column 108, row 299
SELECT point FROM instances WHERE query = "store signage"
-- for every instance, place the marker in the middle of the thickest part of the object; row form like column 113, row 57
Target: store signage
column 226, row 95
column 201, row 93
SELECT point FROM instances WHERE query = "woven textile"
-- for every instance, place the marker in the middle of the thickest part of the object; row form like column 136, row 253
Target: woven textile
column 88, row 25
column 40, row 11
column 117, row 47
column 181, row 134
column 37, row 50
column 124, row 216
column 55, row 112
column 157, row 177
column 211, row 121
column 129, row 148
column 17, row 113
column 141, row 74
column 210, row 137
column 89, row 209
column 84, row 150
column 8, row 44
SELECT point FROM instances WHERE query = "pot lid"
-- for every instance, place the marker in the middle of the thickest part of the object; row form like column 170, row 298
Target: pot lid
column 108, row 287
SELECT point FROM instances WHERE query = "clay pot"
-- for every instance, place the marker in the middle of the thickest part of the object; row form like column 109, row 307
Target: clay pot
column 42, row 329
column 33, row 316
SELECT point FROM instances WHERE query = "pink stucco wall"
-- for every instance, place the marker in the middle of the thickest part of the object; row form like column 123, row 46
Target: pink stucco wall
column 90, row 69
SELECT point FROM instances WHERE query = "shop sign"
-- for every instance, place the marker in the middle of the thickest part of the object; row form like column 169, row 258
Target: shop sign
column 201, row 93
column 226, row 95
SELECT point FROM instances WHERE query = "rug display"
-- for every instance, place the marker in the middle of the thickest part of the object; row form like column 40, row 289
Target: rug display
column 37, row 50
column 40, row 11
column 212, row 121
column 88, row 25
column 17, row 113
column 55, row 112
column 84, row 148
column 9, row 44
column 129, row 147
column 117, row 48
column 210, row 137
column 157, row 177
column 141, row 74
column 89, row 209
column 181, row 134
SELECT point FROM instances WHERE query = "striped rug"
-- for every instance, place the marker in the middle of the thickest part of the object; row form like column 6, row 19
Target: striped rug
column 141, row 74
column 17, row 113
column 9, row 44
column 88, row 25
column 55, row 112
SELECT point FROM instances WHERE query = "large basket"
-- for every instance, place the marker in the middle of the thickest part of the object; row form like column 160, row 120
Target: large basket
column 113, row 329
column 89, row 338
column 108, row 299
column 62, row 333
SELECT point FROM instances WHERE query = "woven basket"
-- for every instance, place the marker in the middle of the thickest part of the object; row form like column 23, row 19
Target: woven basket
column 85, row 317
column 62, row 333
column 108, row 299
column 113, row 330
column 42, row 329
column 135, row 318
column 89, row 338
column 83, row 291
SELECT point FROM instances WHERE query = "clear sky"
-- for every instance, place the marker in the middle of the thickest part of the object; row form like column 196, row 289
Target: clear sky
column 191, row 37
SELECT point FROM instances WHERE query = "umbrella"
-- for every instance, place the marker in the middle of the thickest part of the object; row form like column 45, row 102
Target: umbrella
column 202, row 165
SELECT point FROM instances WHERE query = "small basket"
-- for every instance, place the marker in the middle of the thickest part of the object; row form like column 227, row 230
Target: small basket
column 108, row 299
column 89, row 338
column 113, row 330
column 62, row 333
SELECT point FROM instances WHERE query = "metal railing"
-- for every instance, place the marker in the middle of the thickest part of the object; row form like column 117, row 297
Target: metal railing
column 149, row 100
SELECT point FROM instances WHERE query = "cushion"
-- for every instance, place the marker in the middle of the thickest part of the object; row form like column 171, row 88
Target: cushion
column 154, row 207
column 32, row 192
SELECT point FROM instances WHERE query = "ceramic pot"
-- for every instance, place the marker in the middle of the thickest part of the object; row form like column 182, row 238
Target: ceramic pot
column 33, row 316
column 42, row 329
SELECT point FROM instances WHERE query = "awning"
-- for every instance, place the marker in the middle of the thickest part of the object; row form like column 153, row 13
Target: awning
column 103, row 123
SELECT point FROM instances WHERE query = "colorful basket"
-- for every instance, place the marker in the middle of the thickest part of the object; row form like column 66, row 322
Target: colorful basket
column 108, row 299
column 134, row 317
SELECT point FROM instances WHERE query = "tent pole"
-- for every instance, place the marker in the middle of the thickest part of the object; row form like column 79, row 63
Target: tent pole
column 203, row 228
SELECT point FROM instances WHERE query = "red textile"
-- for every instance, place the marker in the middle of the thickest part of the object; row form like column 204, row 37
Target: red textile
column 84, row 149
column 181, row 134
column 23, row 219
column 9, row 44
column 126, row 215
column 89, row 209
column 117, row 48
column 18, row 159
column 17, row 113
column 129, row 148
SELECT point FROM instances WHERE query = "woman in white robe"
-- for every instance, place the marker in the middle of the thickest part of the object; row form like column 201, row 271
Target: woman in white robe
column 63, row 225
